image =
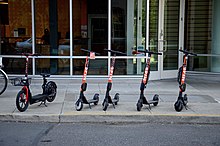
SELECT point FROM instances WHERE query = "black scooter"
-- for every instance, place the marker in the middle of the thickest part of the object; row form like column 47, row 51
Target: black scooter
column 182, row 100
column 82, row 99
column 24, row 96
column 143, row 100
column 108, row 100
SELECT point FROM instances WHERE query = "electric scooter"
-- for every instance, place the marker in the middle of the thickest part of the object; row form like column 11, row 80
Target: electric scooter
column 182, row 100
column 108, row 100
column 24, row 96
column 82, row 99
column 143, row 100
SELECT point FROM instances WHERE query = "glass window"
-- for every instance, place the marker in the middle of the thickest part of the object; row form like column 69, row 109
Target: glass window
column 96, row 66
column 202, row 34
column 52, row 27
column 119, row 17
column 53, row 66
column 153, row 32
column 90, row 26
column 15, row 27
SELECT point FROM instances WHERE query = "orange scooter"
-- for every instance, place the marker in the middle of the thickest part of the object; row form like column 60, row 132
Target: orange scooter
column 142, row 99
column 182, row 100
column 82, row 99
column 108, row 100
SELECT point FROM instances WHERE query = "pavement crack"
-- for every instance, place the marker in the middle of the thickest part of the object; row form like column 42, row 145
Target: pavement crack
column 42, row 134
column 61, row 111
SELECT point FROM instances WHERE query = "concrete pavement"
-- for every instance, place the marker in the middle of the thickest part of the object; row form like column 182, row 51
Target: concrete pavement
column 203, row 106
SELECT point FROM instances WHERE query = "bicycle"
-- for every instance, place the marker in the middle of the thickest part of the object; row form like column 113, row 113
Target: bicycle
column 3, row 78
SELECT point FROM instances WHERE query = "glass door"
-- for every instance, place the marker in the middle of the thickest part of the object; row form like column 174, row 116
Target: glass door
column 168, row 37
column 156, row 28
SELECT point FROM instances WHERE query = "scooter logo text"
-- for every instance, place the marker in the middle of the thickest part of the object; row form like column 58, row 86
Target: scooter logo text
column 183, row 75
column 85, row 73
column 145, row 75
column 111, row 73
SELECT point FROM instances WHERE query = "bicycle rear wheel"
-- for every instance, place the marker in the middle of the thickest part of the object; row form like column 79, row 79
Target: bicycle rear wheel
column 3, row 81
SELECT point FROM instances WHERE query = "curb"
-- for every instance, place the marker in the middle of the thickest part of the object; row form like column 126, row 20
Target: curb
column 115, row 119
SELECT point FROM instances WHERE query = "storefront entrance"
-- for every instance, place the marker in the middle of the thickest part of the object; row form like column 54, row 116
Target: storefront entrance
column 157, row 29
column 122, row 25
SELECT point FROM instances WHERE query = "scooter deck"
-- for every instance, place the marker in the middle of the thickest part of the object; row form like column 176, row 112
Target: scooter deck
column 39, row 96
column 91, row 101
column 152, row 101
column 113, row 101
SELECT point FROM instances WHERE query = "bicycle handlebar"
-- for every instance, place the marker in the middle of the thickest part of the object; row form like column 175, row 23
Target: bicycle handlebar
column 116, row 52
column 188, row 53
column 89, row 51
column 146, row 51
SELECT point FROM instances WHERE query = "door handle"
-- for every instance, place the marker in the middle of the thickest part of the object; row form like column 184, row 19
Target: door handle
column 160, row 46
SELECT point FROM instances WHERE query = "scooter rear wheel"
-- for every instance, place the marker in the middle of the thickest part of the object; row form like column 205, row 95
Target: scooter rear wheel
column 96, row 97
column 178, row 105
column 21, row 102
column 155, row 98
column 185, row 99
column 79, row 105
column 116, row 98
column 51, row 90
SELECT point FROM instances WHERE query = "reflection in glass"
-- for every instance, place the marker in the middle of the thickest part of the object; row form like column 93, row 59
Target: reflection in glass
column 53, row 66
column 16, row 65
column 96, row 67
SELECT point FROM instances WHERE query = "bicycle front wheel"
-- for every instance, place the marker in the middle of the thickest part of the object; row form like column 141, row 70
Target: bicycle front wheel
column 3, row 81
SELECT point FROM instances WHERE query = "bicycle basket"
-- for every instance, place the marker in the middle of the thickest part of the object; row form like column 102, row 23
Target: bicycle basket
column 20, row 81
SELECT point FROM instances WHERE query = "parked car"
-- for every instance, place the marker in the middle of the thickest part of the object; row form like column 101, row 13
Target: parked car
column 27, row 44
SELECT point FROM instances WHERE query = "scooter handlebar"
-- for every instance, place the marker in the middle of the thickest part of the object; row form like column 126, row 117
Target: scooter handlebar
column 146, row 51
column 89, row 51
column 116, row 52
column 188, row 53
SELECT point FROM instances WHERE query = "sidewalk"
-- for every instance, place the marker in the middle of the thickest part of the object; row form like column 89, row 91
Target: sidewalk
column 203, row 106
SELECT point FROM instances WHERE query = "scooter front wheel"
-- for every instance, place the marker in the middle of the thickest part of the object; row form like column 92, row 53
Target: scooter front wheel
column 21, row 102
column 139, row 105
column 178, row 105
column 79, row 105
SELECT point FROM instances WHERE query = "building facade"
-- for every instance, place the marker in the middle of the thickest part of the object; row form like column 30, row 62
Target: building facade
column 58, row 29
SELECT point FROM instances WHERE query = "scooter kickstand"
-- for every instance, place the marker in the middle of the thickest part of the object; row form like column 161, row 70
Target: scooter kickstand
column 186, row 107
column 43, row 102
column 90, row 106
column 113, row 105
column 149, row 106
